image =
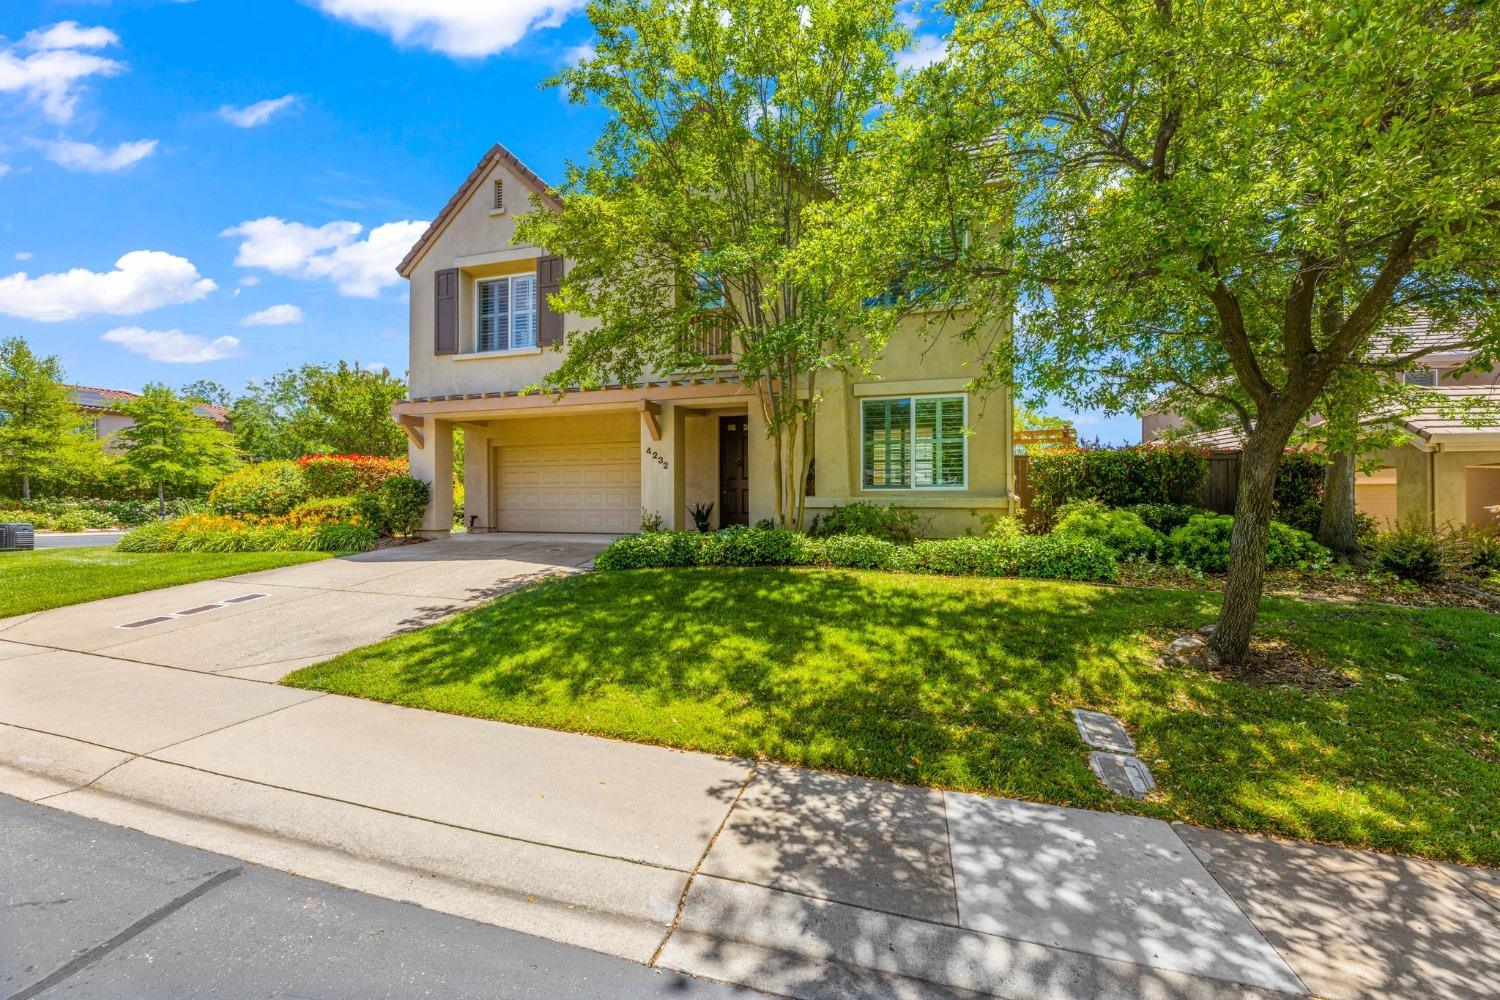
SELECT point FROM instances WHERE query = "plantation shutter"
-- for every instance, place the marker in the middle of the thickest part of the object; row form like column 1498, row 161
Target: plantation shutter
column 549, row 324
column 887, row 436
column 445, row 311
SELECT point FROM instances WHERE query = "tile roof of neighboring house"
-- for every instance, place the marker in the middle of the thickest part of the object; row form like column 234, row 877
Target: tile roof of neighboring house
column 87, row 397
column 1419, row 334
column 496, row 153
column 1455, row 412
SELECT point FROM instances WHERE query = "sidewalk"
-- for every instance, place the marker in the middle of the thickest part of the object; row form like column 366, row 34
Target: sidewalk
column 785, row 880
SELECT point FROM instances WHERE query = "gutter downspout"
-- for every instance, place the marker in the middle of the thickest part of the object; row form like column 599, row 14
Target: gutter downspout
column 1432, row 487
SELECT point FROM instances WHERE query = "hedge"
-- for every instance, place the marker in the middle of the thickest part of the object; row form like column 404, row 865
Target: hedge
column 1117, row 477
column 222, row 533
column 1043, row 557
column 346, row 475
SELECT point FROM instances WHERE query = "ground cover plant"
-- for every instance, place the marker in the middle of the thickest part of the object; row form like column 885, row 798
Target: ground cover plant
column 1390, row 738
column 52, row 578
column 225, row 533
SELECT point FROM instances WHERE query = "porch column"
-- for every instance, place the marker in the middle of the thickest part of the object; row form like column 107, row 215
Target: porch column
column 479, row 505
column 432, row 462
column 661, row 464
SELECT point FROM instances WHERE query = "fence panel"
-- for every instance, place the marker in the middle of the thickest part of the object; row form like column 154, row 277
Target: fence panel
column 1222, row 484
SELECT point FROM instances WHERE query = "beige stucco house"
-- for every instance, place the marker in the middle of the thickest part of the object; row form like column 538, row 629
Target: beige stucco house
column 481, row 331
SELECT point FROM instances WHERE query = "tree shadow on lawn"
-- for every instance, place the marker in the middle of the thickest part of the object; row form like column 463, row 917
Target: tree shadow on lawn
column 967, row 684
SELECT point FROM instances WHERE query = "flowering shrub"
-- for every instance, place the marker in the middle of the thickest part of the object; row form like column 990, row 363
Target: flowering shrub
column 224, row 533
column 325, row 510
column 347, row 475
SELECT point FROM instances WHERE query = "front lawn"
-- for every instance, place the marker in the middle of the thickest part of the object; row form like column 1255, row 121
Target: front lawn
column 967, row 684
column 51, row 578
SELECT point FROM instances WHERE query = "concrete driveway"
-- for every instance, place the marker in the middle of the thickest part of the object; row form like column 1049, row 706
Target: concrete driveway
column 262, row 626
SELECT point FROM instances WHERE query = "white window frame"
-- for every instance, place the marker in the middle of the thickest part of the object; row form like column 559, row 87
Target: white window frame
column 511, row 346
column 1428, row 376
column 911, row 451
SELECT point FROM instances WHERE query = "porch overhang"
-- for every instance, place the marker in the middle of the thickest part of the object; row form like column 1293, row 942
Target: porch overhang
column 643, row 396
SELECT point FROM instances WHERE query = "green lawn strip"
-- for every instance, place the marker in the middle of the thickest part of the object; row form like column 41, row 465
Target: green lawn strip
column 967, row 684
column 51, row 578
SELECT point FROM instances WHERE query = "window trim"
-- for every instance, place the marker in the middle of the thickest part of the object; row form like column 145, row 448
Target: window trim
column 1428, row 373
column 911, row 451
column 510, row 346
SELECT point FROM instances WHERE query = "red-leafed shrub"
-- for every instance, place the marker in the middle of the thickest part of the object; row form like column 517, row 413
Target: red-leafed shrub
column 347, row 475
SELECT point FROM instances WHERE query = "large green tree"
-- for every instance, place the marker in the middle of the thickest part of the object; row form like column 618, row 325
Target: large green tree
column 36, row 414
column 1178, row 194
column 726, row 119
column 169, row 446
column 341, row 409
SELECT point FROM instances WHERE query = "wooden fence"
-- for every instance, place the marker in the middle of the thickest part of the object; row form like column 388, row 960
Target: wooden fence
column 1220, row 486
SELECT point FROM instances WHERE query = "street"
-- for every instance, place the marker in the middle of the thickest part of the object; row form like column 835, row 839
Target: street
column 93, row 910
column 76, row 540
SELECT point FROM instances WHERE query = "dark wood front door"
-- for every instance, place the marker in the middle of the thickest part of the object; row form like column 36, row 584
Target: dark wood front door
column 734, row 477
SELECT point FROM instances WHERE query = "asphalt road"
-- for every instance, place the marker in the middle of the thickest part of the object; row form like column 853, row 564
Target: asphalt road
column 92, row 910
column 77, row 540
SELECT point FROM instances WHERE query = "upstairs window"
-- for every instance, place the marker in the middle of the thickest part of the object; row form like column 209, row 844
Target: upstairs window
column 506, row 313
column 914, row 443
column 1421, row 376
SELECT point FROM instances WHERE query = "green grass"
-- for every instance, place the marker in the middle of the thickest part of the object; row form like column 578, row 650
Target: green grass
column 51, row 578
column 967, row 684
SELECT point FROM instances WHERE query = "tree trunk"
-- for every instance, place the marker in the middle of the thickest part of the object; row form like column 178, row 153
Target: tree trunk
column 1247, row 545
column 161, row 500
column 25, row 486
column 1338, row 528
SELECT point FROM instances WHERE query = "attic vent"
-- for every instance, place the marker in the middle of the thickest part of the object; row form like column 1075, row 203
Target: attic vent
column 499, row 203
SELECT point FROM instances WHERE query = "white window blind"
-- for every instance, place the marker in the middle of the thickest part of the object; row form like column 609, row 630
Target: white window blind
column 507, row 313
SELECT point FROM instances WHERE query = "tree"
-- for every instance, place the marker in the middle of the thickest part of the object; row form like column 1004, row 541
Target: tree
column 314, row 409
column 36, row 413
column 169, row 445
column 727, row 119
column 206, row 391
column 1226, row 199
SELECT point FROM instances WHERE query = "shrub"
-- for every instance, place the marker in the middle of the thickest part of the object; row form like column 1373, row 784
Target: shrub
column 1043, row 557
column 348, row 510
column 264, row 489
column 1120, row 531
column 1116, row 477
column 1163, row 518
column 1297, row 495
column 1412, row 551
column 403, row 500
column 754, row 547
column 1476, row 550
column 1203, row 544
column 73, row 521
column 861, row 552
column 346, row 475
column 887, row 521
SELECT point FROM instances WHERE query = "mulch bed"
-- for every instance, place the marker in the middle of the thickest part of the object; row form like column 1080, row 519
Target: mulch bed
column 1276, row 662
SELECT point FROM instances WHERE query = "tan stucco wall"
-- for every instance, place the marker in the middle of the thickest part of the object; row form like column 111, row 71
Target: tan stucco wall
column 700, row 462
column 1483, row 483
column 1432, row 488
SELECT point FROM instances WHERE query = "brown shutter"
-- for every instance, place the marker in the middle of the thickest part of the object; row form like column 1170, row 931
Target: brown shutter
column 445, row 311
column 549, row 324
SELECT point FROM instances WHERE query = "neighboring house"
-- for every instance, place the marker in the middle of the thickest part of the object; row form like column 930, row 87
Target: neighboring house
column 1447, row 473
column 482, row 331
column 102, row 408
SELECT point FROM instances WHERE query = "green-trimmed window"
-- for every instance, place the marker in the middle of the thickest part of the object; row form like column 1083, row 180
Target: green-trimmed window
column 913, row 443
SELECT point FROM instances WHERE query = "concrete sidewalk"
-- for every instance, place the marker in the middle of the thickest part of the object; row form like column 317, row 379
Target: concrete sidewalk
column 785, row 880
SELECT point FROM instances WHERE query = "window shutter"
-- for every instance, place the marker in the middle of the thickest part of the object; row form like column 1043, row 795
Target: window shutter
column 549, row 324
column 445, row 311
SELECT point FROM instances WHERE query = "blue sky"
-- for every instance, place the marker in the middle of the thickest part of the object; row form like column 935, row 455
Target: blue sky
column 221, row 190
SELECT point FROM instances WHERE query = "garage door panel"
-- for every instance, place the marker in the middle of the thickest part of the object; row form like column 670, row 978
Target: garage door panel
column 1377, row 500
column 582, row 486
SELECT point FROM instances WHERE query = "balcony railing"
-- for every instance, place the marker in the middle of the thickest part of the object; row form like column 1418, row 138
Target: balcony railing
column 712, row 337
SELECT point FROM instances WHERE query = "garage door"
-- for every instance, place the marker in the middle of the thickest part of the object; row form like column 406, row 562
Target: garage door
column 586, row 486
column 1379, row 501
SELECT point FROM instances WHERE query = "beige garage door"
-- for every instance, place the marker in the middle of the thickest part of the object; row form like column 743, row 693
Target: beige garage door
column 1379, row 501
column 582, row 486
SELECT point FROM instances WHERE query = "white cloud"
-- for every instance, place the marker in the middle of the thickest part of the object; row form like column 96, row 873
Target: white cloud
column 461, row 28
column 69, row 35
column 578, row 53
column 89, row 158
column 50, row 65
column 4, row 169
column 252, row 115
column 358, row 267
column 173, row 347
column 142, row 280
column 925, row 50
column 24, row 255
column 250, row 280
column 282, row 315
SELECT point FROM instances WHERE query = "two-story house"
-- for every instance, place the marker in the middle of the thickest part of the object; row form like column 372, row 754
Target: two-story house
column 101, row 408
column 594, row 460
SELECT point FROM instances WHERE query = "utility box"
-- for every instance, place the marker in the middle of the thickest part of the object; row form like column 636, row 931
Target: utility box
column 17, row 535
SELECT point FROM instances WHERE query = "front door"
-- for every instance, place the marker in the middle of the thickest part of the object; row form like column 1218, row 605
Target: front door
column 734, row 478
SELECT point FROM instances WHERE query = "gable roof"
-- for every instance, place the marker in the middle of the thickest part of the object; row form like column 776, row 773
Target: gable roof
column 496, row 154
